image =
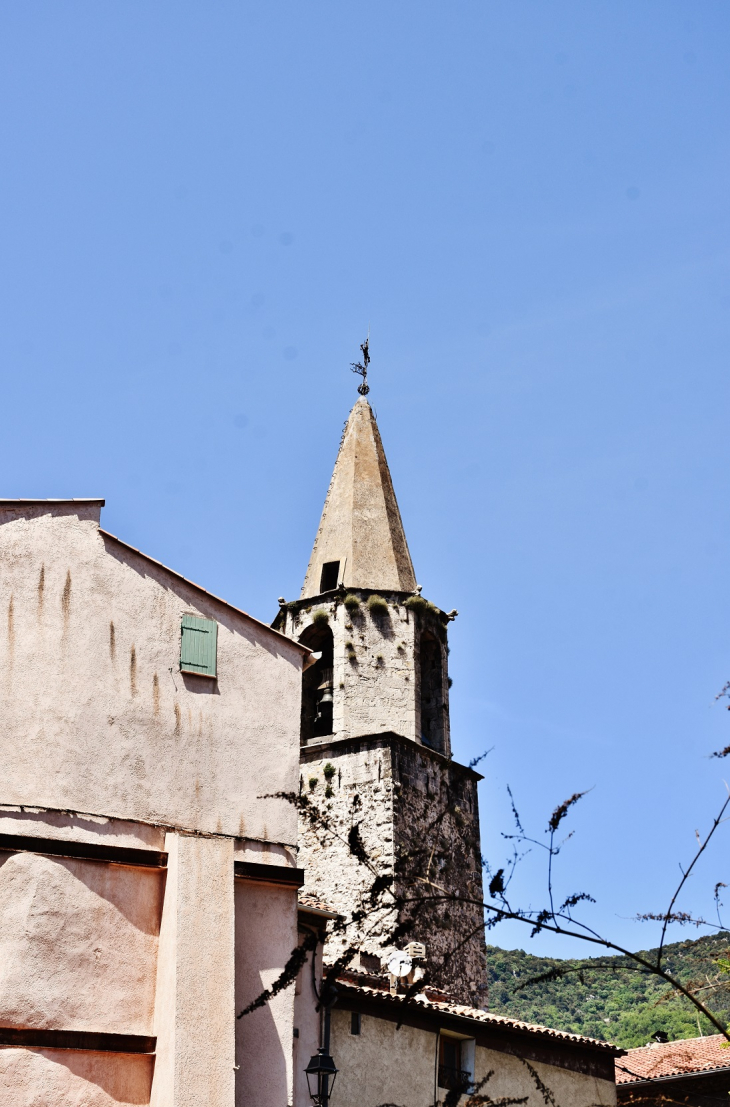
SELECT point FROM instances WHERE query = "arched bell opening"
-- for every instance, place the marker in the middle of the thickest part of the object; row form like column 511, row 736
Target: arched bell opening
column 432, row 691
column 317, row 684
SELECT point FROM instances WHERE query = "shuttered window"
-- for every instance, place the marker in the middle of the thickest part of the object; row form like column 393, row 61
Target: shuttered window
column 199, row 646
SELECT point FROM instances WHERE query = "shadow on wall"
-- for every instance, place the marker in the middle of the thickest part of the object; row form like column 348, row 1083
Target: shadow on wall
column 266, row 933
column 200, row 685
column 56, row 1076
column 432, row 692
column 78, row 944
column 80, row 828
column 259, row 1052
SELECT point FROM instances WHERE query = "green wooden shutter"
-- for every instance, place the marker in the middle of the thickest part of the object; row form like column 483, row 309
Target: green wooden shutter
column 199, row 646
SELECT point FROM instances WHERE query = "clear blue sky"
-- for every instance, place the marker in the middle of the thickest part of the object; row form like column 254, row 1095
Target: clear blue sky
column 204, row 205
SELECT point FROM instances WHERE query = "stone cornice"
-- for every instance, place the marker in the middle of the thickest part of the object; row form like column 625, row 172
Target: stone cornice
column 317, row 750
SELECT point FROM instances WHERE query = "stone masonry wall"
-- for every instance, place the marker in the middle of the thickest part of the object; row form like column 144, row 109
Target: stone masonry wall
column 417, row 817
column 436, row 826
column 358, row 792
column 376, row 677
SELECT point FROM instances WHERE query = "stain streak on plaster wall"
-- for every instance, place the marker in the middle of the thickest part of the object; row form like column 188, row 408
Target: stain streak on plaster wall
column 156, row 694
column 133, row 671
column 11, row 632
column 41, row 588
column 177, row 718
column 66, row 600
column 112, row 641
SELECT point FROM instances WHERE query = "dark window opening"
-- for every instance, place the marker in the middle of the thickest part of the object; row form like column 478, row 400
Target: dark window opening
column 355, row 1022
column 330, row 576
column 369, row 962
column 432, row 692
column 317, row 686
column 451, row 1073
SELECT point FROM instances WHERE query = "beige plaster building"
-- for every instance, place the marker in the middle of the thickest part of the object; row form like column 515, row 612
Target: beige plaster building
column 148, row 882
column 414, row 1052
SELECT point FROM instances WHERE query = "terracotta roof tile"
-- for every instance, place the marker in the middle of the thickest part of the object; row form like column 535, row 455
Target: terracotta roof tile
column 438, row 1002
column 308, row 900
column 661, row 1059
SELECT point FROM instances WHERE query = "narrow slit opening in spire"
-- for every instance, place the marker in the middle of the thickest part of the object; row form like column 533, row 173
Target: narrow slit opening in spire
column 330, row 576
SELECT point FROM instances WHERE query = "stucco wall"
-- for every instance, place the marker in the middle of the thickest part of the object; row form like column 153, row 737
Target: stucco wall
column 194, row 1016
column 78, row 944
column 73, row 1078
column 387, row 1065
column 383, row 1064
column 307, row 1020
column 266, row 936
column 68, row 826
column 96, row 716
column 512, row 1077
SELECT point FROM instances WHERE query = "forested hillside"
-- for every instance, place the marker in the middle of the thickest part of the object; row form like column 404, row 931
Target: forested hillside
column 615, row 1003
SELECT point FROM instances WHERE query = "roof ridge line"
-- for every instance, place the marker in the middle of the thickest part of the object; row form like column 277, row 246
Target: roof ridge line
column 239, row 610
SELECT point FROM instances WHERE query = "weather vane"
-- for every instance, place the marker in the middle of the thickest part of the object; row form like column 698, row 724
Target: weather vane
column 362, row 369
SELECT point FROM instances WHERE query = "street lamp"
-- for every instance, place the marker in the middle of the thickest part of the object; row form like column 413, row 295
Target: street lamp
column 319, row 1070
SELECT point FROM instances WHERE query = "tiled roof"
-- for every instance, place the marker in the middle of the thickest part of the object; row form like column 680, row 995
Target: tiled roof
column 308, row 902
column 662, row 1059
column 440, row 1003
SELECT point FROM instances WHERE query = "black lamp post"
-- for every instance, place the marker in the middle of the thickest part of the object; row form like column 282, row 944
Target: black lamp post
column 321, row 1068
column 319, row 1071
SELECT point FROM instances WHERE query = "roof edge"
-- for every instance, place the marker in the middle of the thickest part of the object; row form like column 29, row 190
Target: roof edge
column 35, row 503
column 318, row 749
column 317, row 912
column 671, row 1076
column 483, row 1019
column 306, row 653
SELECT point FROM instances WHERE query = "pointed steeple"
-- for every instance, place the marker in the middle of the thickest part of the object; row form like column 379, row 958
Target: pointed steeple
column 361, row 527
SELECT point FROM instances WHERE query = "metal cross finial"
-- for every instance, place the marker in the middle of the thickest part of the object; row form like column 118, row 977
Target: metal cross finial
column 362, row 369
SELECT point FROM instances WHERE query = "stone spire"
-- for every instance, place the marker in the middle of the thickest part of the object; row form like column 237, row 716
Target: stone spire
column 360, row 542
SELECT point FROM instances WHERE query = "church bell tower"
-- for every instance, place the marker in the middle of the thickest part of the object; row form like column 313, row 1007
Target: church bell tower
column 375, row 735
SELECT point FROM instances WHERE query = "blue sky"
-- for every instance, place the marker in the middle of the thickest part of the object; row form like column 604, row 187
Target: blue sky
column 204, row 206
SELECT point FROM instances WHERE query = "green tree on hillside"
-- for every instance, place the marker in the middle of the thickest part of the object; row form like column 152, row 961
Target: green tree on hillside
column 612, row 1003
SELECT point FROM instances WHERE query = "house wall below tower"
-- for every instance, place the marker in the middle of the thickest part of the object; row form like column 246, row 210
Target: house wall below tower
column 394, row 1059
